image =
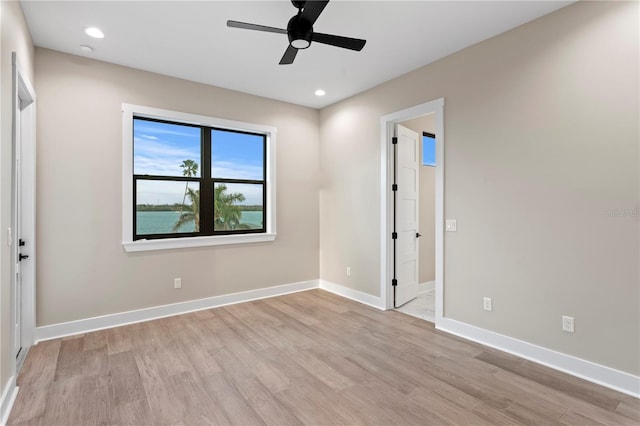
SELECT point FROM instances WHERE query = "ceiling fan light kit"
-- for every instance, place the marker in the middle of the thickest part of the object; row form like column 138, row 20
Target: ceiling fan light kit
column 300, row 31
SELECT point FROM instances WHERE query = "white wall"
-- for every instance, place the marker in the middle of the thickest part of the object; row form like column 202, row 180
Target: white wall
column 82, row 268
column 542, row 131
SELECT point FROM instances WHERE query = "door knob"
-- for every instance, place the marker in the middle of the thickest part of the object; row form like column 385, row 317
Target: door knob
column 418, row 235
column 21, row 257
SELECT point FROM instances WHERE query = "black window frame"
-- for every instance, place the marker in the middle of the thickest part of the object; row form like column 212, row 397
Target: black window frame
column 206, row 183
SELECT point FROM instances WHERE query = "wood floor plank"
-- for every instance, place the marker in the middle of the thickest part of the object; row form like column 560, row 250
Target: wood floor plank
column 495, row 416
column 159, row 394
column 321, row 370
column 265, row 404
column 543, row 375
column 39, row 368
column 298, row 314
column 307, row 409
column 95, row 340
column 441, row 407
column 70, row 358
column 30, row 404
column 630, row 409
column 256, row 341
column 131, row 413
column 125, row 385
column 119, row 338
column 548, row 397
column 237, row 409
column 304, row 358
column 196, row 400
column 573, row 418
column 95, row 362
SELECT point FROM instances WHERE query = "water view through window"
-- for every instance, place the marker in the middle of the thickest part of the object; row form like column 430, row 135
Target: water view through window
column 179, row 192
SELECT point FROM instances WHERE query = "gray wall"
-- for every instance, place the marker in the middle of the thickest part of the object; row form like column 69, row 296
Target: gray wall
column 14, row 37
column 82, row 269
column 541, row 136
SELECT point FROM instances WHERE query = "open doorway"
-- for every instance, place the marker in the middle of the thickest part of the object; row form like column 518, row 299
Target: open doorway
column 427, row 117
column 423, row 303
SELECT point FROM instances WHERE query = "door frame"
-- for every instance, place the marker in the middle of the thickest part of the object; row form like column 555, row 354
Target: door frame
column 387, row 123
column 23, row 115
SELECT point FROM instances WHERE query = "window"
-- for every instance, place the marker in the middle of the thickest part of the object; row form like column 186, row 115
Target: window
column 428, row 149
column 194, row 181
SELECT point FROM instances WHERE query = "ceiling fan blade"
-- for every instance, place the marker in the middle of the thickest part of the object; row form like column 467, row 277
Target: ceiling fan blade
column 312, row 9
column 255, row 27
column 289, row 55
column 339, row 41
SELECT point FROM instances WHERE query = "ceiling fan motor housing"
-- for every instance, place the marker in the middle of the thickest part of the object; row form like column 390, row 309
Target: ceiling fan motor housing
column 300, row 32
column 298, row 4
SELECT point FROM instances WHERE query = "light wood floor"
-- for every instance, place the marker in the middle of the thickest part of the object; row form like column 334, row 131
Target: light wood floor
column 306, row 358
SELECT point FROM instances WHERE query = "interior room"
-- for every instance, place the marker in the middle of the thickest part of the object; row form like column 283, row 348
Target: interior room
column 198, row 216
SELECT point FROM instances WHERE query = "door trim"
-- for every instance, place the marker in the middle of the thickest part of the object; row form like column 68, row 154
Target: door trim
column 24, row 106
column 387, row 123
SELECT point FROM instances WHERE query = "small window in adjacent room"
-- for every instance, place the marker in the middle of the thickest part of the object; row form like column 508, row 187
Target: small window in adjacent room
column 195, row 181
column 428, row 149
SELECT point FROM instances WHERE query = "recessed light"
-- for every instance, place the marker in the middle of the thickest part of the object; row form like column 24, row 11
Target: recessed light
column 86, row 48
column 94, row 32
column 320, row 92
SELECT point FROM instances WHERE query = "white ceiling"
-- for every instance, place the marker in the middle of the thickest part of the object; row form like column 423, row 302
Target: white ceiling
column 190, row 39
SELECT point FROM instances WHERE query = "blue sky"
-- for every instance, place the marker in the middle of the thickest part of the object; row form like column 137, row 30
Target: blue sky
column 428, row 151
column 160, row 148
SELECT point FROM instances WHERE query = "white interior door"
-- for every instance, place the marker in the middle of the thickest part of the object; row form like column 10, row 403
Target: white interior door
column 22, row 231
column 406, row 214
column 17, row 243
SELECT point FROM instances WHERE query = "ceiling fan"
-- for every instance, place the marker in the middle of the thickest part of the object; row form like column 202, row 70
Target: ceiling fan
column 300, row 30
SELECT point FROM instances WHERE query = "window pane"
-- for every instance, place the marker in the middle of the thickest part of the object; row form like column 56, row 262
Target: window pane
column 428, row 150
column 237, row 155
column 166, row 207
column 238, row 206
column 163, row 149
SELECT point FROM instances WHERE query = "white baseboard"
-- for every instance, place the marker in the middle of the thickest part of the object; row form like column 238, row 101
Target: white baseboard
column 352, row 294
column 426, row 286
column 6, row 401
column 596, row 373
column 123, row 318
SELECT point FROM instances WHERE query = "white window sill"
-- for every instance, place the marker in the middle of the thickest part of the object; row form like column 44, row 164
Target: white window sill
column 177, row 243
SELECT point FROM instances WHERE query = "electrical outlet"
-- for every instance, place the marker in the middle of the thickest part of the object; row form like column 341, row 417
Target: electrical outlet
column 487, row 304
column 348, row 271
column 568, row 324
column 177, row 283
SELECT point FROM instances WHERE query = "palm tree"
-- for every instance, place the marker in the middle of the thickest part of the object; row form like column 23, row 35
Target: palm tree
column 227, row 215
column 189, row 169
column 193, row 214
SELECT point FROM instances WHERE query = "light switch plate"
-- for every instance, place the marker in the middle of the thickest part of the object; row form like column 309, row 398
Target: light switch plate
column 450, row 225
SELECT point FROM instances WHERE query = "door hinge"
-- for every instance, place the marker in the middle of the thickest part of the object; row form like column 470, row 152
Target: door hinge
column 394, row 140
column 394, row 282
column 394, row 187
column 394, row 235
